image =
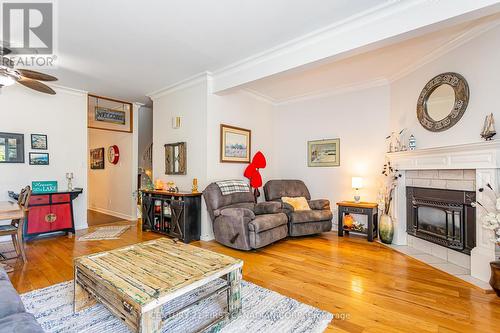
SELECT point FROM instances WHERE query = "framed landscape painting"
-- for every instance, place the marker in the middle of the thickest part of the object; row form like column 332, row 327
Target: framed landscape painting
column 39, row 159
column 11, row 148
column 97, row 158
column 323, row 153
column 235, row 144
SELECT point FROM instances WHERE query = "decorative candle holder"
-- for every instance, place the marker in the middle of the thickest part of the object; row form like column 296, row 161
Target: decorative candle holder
column 194, row 189
column 69, row 178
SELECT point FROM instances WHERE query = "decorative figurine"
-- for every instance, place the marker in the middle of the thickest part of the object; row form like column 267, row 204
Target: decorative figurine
column 489, row 128
column 69, row 178
column 412, row 143
column 172, row 188
column 194, row 189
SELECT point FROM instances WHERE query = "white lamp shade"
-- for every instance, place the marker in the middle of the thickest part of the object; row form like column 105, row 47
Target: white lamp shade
column 357, row 182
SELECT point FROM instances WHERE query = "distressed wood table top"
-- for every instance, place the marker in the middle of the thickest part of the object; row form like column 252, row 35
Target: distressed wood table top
column 154, row 272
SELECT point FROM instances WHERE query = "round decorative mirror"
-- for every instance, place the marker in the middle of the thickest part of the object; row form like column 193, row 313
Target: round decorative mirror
column 443, row 102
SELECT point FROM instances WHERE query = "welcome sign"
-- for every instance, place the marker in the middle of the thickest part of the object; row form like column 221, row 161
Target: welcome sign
column 110, row 116
column 44, row 186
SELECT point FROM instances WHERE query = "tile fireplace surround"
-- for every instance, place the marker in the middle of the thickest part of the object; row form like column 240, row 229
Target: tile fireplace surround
column 465, row 167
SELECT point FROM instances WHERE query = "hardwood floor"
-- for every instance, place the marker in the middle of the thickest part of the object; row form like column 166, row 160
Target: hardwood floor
column 96, row 218
column 369, row 287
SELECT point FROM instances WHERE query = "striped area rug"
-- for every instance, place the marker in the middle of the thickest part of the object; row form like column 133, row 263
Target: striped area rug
column 263, row 311
column 103, row 233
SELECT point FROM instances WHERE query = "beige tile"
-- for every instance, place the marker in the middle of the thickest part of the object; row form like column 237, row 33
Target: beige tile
column 451, row 268
column 422, row 182
column 478, row 283
column 428, row 259
column 470, row 174
column 459, row 259
column 428, row 174
column 439, row 251
column 438, row 183
column 409, row 182
column 411, row 174
column 451, row 174
column 464, row 185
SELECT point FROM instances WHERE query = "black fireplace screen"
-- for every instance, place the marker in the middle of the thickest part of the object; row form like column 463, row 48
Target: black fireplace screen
column 444, row 217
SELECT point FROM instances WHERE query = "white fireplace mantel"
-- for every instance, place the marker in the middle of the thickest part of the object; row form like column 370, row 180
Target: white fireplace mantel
column 480, row 155
column 484, row 157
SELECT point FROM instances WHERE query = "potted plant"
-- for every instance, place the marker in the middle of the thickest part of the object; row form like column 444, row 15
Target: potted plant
column 386, row 225
column 491, row 221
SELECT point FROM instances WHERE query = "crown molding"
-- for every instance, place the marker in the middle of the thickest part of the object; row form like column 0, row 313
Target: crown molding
column 186, row 83
column 447, row 47
column 68, row 90
column 339, row 90
column 391, row 21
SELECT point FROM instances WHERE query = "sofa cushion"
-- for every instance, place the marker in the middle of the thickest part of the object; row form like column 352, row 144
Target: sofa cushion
column 320, row 204
column 20, row 323
column 267, row 221
column 298, row 203
column 10, row 302
column 276, row 189
column 304, row 216
column 270, row 207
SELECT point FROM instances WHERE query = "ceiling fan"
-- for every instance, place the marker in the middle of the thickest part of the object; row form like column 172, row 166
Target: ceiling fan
column 28, row 78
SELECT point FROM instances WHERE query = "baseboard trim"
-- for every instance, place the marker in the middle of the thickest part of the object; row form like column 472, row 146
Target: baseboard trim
column 113, row 213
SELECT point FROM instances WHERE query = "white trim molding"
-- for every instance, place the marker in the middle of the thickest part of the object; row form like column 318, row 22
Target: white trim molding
column 186, row 83
column 480, row 155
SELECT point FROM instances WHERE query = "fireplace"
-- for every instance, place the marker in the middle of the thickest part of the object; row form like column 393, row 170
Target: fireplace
column 443, row 217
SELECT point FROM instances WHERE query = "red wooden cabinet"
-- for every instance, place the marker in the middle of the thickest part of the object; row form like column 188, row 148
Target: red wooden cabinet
column 50, row 212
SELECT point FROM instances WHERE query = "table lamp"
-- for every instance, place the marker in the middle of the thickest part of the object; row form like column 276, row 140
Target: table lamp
column 357, row 183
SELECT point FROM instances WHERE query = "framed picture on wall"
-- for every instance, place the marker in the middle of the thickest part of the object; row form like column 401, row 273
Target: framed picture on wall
column 39, row 141
column 235, row 144
column 97, row 158
column 11, row 148
column 39, row 159
column 323, row 153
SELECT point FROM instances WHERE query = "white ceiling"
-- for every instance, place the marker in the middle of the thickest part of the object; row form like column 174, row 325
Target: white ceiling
column 375, row 67
column 126, row 49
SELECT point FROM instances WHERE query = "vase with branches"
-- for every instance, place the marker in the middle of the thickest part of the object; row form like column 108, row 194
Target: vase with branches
column 386, row 226
column 490, row 220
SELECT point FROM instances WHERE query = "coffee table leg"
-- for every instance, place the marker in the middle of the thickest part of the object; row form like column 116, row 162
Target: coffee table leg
column 234, row 293
column 82, row 298
column 151, row 321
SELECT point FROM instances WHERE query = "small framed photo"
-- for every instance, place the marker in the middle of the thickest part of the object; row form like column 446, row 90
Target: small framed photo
column 97, row 158
column 39, row 141
column 235, row 144
column 323, row 153
column 39, row 159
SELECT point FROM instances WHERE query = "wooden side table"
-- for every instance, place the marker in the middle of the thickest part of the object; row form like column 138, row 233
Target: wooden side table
column 370, row 209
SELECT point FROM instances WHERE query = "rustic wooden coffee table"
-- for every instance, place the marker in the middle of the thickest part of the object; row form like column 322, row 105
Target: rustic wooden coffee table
column 135, row 281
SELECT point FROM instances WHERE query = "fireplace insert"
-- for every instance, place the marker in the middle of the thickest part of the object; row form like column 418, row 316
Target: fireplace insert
column 443, row 217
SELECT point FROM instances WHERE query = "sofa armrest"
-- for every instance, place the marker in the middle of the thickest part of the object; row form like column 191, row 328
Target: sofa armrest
column 269, row 207
column 237, row 212
column 319, row 204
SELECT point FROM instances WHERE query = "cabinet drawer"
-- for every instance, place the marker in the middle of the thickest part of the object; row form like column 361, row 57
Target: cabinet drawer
column 59, row 198
column 39, row 199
